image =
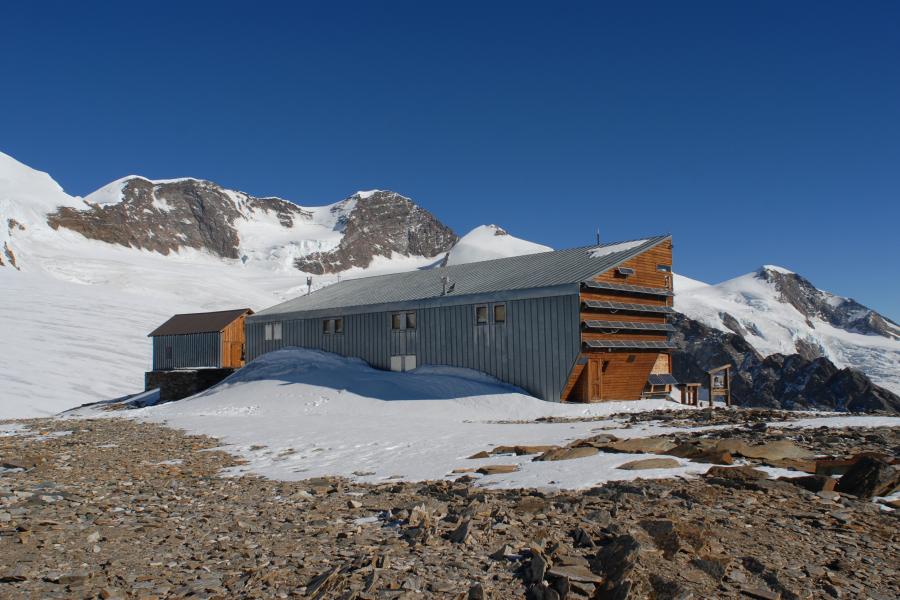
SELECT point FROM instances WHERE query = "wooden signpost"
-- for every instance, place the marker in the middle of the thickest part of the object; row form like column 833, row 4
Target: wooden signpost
column 720, row 384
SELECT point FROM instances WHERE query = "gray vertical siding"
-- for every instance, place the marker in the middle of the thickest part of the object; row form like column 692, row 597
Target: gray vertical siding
column 534, row 349
column 189, row 351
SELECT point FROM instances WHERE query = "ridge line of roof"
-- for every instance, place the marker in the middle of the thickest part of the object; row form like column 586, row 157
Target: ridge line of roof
column 657, row 239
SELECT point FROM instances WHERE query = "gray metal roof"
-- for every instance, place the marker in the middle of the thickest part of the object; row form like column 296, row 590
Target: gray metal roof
column 530, row 271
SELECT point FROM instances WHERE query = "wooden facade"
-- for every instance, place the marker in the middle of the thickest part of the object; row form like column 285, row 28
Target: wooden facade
column 233, row 343
column 644, row 283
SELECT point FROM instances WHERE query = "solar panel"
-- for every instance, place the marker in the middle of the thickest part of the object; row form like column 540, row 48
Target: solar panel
column 613, row 306
column 629, row 325
column 633, row 344
column 625, row 287
column 663, row 379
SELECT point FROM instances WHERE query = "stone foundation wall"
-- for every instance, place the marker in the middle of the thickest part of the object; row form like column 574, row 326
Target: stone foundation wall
column 181, row 383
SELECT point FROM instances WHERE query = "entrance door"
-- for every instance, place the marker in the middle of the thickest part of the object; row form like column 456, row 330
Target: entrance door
column 234, row 354
column 595, row 379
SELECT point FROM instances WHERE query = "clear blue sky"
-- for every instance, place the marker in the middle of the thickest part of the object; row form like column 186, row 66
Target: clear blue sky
column 755, row 132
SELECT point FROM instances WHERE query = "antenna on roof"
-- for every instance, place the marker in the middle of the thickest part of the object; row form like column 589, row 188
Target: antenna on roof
column 308, row 285
column 598, row 236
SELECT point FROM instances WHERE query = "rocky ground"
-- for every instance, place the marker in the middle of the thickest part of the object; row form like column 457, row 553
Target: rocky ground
column 112, row 508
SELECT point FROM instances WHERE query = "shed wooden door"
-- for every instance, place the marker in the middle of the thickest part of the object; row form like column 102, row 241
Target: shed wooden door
column 233, row 354
column 595, row 379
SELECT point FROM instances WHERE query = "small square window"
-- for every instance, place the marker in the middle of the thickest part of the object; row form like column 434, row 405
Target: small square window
column 328, row 326
column 268, row 332
column 410, row 320
column 397, row 321
column 276, row 331
column 481, row 314
column 339, row 326
column 499, row 313
column 631, row 358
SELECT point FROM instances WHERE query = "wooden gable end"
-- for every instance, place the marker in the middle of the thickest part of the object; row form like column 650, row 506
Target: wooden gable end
column 622, row 373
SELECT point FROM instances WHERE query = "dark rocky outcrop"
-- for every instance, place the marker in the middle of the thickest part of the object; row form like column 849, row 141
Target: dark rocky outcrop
column 381, row 224
column 794, row 381
column 169, row 216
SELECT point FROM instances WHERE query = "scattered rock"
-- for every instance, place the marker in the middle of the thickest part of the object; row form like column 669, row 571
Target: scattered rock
column 649, row 445
column 568, row 453
column 869, row 477
column 650, row 463
column 813, row 483
column 497, row 469
column 742, row 473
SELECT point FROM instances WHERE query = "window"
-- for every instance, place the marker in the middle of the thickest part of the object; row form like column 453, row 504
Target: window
column 276, row 331
column 500, row 313
column 625, row 271
column 168, row 352
column 268, row 330
column 328, row 326
column 339, row 326
column 631, row 358
column 403, row 321
column 664, row 268
column 481, row 314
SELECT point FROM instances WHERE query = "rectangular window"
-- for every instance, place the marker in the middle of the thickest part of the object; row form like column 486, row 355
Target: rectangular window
column 410, row 320
column 664, row 268
column 499, row 313
column 328, row 326
column 276, row 331
column 168, row 352
column 397, row 321
column 481, row 314
column 268, row 332
column 339, row 326
column 625, row 271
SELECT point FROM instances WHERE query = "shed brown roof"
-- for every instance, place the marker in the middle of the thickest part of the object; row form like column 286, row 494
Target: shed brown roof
column 199, row 322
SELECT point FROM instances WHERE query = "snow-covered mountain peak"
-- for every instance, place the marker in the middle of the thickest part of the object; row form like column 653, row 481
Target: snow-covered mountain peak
column 776, row 269
column 487, row 242
column 781, row 312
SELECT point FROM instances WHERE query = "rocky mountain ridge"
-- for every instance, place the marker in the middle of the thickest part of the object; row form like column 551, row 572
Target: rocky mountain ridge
column 793, row 382
column 844, row 313
column 167, row 216
column 382, row 223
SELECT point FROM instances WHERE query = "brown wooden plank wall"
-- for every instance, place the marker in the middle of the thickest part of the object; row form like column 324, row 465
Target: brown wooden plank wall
column 626, row 371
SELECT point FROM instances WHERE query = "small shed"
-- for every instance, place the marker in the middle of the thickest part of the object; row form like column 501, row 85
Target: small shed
column 201, row 340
